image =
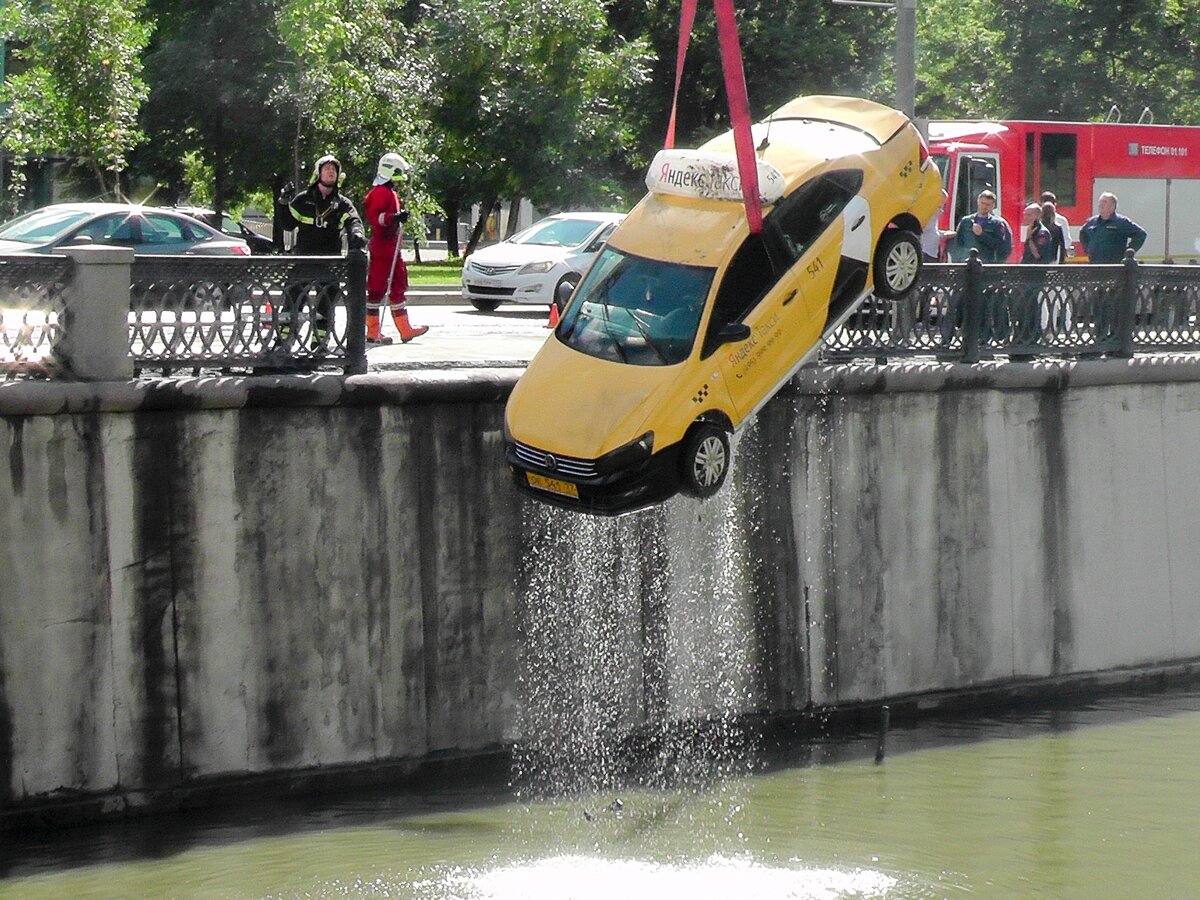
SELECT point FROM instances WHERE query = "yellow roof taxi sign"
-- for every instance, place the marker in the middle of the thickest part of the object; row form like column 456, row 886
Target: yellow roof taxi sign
column 687, row 323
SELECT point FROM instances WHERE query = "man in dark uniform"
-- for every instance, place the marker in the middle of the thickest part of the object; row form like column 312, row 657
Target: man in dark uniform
column 320, row 214
column 1106, row 237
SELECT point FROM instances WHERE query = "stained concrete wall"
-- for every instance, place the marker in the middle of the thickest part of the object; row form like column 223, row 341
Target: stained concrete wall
column 207, row 579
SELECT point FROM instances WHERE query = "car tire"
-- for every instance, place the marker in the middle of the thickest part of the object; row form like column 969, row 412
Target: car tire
column 570, row 278
column 704, row 462
column 897, row 263
column 485, row 305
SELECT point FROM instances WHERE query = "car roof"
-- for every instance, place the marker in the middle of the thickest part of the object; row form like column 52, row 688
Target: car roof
column 99, row 207
column 802, row 137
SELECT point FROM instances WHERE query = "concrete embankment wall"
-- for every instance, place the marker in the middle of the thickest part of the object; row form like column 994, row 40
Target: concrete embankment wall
column 212, row 579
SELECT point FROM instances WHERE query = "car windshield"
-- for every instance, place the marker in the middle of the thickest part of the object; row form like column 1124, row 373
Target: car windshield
column 637, row 311
column 557, row 232
column 41, row 225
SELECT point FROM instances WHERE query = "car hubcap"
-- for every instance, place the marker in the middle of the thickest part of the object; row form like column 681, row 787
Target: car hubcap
column 709, row 464
column 902, row 265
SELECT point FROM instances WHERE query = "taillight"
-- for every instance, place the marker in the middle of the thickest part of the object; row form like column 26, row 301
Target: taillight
column 239, row 250
column 923, row 152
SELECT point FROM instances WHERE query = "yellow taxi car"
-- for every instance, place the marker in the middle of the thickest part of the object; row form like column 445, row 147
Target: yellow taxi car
column 686, row 323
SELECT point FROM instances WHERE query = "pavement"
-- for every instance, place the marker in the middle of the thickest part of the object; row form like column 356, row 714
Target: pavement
column 461, row 336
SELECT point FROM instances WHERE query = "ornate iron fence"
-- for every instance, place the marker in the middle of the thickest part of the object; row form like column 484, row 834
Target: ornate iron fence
column 33, row 291
column 970, row 312
column 258, row 313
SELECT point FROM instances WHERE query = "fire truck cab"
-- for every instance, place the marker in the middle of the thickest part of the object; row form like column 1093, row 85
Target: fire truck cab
column 1153, row 169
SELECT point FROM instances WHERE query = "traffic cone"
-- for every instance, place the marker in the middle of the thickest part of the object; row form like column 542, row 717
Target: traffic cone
column 553, row 323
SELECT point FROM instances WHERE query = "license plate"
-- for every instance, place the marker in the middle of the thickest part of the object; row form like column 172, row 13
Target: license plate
column 483, row 281
column 541, row 482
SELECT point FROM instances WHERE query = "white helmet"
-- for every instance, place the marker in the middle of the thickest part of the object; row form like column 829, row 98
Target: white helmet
column 391, row 165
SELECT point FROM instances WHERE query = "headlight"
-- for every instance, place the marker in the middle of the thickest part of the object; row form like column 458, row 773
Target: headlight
column 537, row 268
column 628, row 456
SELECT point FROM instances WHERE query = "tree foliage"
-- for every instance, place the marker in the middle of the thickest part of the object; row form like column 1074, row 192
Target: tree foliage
column 560, row 101
column 80, row 86
column 214, row 67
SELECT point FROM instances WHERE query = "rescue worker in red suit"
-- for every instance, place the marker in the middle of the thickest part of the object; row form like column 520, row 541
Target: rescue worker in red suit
column 387, row 274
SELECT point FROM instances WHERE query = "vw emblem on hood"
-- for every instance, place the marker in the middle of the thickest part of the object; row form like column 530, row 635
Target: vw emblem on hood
column 551, row 462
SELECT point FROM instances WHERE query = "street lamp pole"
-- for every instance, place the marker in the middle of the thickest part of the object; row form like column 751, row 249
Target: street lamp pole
column 906, row 49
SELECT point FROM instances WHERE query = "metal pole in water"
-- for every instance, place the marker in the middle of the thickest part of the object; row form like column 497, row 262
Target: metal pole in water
column 885, row 717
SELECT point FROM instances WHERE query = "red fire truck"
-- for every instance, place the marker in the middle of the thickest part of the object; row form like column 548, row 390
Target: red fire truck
column 1153, row 169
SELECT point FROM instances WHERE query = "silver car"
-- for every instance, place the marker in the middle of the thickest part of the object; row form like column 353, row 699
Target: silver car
column 530, row 267
column 146, row 229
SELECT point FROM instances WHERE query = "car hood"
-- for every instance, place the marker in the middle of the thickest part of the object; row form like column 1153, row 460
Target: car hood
column 506, row 253
column 7, row 248
column 573, row 404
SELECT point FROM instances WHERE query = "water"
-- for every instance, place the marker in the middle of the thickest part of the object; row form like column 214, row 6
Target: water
column 638, row 781
column 1092, row 801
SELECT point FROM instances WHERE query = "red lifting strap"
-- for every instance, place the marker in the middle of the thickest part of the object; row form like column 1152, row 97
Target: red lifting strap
column 687, row 15
column 735, row 92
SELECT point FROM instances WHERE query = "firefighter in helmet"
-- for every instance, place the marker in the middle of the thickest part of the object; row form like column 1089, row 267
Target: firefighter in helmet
column 320, row 213
column 387, row 275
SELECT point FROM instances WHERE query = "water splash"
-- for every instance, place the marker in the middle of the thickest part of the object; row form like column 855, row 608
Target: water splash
column 719, row 877
column 636, row 661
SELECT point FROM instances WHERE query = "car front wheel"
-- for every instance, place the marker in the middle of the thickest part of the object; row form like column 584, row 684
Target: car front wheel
column 705, row 460
column 485, row 305
column 564, row 289
column 897, row 264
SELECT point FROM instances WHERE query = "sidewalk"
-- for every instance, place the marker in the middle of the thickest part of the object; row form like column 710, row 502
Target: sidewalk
column 459, row 335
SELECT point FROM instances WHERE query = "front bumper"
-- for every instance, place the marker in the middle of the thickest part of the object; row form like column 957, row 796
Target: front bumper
column 611, row 494
column 512, row 288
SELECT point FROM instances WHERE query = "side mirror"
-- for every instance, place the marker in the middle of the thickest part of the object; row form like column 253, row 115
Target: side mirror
column 562, row 294
column 80, row 240
column 733, row 333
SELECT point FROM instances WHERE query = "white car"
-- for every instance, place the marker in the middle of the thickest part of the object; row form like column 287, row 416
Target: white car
column 529, row 266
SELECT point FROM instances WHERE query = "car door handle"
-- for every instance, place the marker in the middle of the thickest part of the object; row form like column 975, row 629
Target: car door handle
column 861, row 219
column 789, row 298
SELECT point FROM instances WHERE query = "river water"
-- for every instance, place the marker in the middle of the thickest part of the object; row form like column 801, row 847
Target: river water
column 1093, row 800
column 1096, row 798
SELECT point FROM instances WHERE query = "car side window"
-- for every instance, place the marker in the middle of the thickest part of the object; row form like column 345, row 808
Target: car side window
column 747, row 279
column 788, row 231
column 809, row 210
column 118, row 228
column 158, row 229
column 599, row 240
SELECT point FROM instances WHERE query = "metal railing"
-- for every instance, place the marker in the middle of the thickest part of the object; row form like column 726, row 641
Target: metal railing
column 968, row 311
column 33, row 295
column 260, row 313
column 188, row 313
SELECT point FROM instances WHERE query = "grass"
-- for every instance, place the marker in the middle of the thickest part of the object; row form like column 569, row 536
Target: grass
column 441, row 272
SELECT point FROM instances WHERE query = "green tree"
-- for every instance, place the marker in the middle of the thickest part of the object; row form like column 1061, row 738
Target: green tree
column 529, row 98
column 788, row 49
column 80, row 87
column 354, row 88
column 215, row 70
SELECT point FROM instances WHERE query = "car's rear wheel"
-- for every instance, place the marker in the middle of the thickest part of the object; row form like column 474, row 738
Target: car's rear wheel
column 705, row 460
column 485, row 305
column 897, row 263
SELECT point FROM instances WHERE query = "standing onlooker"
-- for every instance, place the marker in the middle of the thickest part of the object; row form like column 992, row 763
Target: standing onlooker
column 388, row 273
column 1058, row 233
column 984, row 231
column 1068, row 242
column 931, row 236
column 1055, row 301
column 320, row 213
column 1107, row 235
column 1039, row 246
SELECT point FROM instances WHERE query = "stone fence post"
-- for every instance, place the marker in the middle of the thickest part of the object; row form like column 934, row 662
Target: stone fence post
column 95, row 335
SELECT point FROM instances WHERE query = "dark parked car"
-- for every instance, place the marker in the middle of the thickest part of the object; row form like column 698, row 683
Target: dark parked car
column 145, row 229
column 258, row 243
